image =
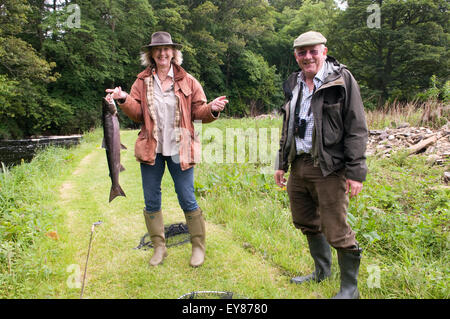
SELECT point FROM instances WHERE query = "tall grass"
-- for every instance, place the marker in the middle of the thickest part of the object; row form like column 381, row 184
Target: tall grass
column 431, row 113
column 27, row 211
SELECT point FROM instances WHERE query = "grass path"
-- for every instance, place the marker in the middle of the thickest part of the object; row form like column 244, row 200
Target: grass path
column 116, row 270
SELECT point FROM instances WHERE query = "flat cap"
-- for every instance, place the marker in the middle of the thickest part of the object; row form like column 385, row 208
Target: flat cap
column 309, row 38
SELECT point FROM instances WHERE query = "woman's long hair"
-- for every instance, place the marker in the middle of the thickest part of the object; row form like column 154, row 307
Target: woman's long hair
column 147, row 60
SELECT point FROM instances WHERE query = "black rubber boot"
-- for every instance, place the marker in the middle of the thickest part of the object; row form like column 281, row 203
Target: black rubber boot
column 321, row 253
column 349, row 261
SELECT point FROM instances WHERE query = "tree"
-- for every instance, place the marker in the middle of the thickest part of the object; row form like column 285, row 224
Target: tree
column 102, row 53
column 24, row 74
column 244, row 27
column 396, row 59
column 53, row 73
column 256, row 86
column 290, row 23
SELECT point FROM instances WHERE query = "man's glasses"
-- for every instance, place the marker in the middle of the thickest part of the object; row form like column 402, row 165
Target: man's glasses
column 303, row 53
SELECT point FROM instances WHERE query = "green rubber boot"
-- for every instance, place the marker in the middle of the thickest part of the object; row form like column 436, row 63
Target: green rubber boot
column 196, row 226
column 155, row 227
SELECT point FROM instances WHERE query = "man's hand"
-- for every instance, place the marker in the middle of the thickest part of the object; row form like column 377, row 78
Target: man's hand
column 354, row 187
column 279, row 178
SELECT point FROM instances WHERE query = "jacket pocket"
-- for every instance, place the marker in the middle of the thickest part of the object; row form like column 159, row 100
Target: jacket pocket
column 333, row 127
column 142, row 149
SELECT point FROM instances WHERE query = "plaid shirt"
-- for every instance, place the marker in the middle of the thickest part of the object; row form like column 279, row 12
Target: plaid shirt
column 153, row 109
column 166, row 107
column 304, row 145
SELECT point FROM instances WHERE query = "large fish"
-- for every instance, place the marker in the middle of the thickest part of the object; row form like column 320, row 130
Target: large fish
column 111, row 142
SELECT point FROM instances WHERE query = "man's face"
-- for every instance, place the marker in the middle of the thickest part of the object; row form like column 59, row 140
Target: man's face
column 310, row 58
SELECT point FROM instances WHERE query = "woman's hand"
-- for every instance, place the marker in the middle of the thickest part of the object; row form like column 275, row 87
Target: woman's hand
column 117, row 93
column 218, row 104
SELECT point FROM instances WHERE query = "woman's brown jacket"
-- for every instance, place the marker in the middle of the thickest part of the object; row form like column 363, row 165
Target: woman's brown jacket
column 191, row 106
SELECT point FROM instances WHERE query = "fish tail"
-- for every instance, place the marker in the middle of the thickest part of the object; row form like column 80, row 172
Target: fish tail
column 116, row 191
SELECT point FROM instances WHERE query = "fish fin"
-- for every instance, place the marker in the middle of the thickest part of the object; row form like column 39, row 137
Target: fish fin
column 118, row 191
column 103, row 143
column 122, row 168
column 123, row 147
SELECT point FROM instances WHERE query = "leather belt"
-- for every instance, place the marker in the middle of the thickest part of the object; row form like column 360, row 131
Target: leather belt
column 303, row 155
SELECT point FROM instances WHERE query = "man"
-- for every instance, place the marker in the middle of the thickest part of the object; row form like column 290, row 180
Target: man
column 323, row 140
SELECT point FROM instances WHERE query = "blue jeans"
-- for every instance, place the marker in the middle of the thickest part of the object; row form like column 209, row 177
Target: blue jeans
column 183, row 180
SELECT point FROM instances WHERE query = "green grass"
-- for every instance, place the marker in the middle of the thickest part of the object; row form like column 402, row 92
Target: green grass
column 29, row 210
column 401, row 219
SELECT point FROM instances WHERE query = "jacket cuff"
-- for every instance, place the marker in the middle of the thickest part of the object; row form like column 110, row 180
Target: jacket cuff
column 354, row 176
column 122, row 101
column 215, row 114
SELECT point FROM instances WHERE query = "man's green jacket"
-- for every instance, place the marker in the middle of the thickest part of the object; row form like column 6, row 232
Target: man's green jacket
column 340, row 130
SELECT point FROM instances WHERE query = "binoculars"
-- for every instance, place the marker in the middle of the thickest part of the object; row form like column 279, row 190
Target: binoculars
column 300, row 129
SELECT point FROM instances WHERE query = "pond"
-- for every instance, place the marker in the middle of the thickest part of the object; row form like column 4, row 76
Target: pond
column 12, row 152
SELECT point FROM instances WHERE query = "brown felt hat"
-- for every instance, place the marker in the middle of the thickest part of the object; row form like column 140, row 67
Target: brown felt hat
column 309, row 38
column 161, row 38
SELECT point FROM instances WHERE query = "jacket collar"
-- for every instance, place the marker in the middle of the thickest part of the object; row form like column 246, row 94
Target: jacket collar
column 180, row 78
column 333, row 69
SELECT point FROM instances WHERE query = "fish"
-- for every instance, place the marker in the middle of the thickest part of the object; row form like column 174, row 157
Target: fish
column 112, row 145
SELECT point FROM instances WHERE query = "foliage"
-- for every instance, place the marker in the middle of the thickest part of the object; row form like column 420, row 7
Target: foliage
column 54, row 73
column 395, row 59
column 436, row 91
column 25, row 74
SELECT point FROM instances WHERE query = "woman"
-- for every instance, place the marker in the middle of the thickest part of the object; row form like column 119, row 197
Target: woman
column 166, row 100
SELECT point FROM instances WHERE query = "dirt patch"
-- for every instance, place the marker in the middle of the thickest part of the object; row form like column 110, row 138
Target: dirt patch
column 65, row 190
column 85, row 161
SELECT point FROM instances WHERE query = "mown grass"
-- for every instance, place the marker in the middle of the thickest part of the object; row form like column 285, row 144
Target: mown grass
column 116, row 270
column 401, row 219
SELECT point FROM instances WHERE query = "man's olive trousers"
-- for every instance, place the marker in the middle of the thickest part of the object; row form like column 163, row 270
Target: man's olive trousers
column 319, row 204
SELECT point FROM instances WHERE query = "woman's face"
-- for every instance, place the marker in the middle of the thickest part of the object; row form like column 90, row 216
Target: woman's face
column 162, row 55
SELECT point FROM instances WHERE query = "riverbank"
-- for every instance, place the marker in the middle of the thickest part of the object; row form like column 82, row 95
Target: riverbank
column 13, row 152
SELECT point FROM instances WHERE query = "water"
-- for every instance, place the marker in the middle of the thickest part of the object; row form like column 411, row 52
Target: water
column 12, row 152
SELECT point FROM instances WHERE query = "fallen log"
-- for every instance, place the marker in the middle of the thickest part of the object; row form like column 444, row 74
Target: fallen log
column 422, row 145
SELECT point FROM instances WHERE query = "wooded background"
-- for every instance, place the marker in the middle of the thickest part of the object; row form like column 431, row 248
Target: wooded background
column 54, row 67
